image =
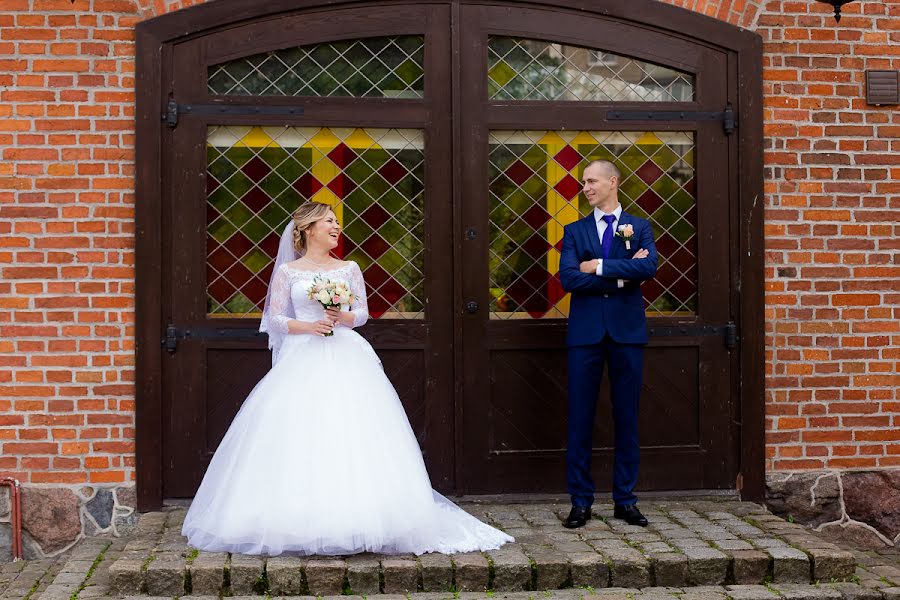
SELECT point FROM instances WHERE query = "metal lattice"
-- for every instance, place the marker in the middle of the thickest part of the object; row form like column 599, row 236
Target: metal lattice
column 520, row 69
column 384, row 67
column 373, row 178
column 535, row 191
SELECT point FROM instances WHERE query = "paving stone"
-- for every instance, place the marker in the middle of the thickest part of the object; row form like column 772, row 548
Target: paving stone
column 789, row 565
column 470, row 572
column 363, row 574
column 704, row 593
column 69, row 578
column 437, row 572
column 245, row 572
column 750, row 566
column 285, row 575
column 208, row 573
column 797, row 591
column 750, row 592
column 854, row 591
column 126, row 576
column 401, row 575
column 325, row 576
column 589, row 569
column 669, row 569
column 828, row 565
column 890, row 572
column 657, row 547
column 628, row 568
column 512, row 569
column 165, row 578
column 732, row 544
column 891, row 593
column 611, row 594
column 706, row 566
column 552, row 567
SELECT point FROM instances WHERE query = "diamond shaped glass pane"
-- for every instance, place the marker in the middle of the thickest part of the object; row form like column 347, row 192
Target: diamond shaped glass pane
column 257, row 176
column 534, row 193
column 523, row 69
column 383, row 67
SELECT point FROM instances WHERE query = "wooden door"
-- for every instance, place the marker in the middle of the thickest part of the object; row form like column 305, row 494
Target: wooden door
column 348, row 107
column 542, row 93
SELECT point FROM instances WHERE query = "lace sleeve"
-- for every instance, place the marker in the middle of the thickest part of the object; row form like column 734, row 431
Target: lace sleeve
column 281, row 311
column 360, row 308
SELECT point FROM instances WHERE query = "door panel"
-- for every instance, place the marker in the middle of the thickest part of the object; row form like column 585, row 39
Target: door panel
column 540, row 106
column 304, row 122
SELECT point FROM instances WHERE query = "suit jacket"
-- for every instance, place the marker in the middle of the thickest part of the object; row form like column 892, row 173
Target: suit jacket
column 598, row 306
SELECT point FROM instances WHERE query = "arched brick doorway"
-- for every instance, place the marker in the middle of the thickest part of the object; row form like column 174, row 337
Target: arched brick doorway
column 450, row 137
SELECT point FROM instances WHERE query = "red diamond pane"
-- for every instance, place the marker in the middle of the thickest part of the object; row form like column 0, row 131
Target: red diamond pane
column 536, row 246
column 256, row 169
column 392, row 291
column 255, row 290
column 392, row 171
column 341, row 185
column 375, row 216
column 568, row 158
column 375, row 276
column 256, row 199
column 536, row 216
column 342, row 155
column 568, row 187
column 649, row 172
column 221, row 290
column 238, row 244
column 375, row 246
column 650, row 201
column 519, row 172
column 307, row 185
column 220, row 260
column 238, row 275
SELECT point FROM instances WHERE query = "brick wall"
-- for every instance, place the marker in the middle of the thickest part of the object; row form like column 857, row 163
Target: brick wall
column 66, row 236
column 832, row 238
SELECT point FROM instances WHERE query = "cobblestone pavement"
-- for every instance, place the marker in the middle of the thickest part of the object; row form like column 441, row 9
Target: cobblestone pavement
column 694, row 550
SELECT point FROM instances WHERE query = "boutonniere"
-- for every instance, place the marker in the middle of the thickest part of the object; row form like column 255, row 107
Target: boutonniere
column 626, row 232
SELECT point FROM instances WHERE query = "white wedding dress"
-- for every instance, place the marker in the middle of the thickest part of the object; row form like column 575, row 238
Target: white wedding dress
column 321, row 459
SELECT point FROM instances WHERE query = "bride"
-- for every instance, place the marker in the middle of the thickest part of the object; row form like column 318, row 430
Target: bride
column 321, row 459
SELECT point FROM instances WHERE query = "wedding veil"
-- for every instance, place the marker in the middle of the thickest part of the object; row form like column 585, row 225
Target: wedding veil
column 286, row 254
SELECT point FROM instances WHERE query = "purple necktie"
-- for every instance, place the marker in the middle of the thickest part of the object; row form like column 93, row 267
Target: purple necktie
column 606, row 241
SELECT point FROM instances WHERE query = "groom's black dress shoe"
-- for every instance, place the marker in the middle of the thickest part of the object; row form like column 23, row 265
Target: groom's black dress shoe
column 578, row 516
column 630, row 514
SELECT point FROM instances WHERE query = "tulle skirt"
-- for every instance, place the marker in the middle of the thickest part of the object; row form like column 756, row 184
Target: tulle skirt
column 321, row 460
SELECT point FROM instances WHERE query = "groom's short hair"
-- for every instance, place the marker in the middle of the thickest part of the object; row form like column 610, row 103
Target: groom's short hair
column 609, row 168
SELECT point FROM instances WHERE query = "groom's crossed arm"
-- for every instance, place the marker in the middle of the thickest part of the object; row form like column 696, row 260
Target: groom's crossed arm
column 570, row 275
column 629, row 268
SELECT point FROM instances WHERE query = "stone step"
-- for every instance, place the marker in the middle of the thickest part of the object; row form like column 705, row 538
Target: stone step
column 846, row 591
column 686, row 545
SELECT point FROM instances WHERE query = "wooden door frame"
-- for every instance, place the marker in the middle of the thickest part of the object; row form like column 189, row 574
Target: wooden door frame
column 155, row 39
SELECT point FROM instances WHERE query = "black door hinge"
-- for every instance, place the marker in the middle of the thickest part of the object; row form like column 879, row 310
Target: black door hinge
column 728, row 332
column 175, row 110
column 173, row 334
column 726, row 115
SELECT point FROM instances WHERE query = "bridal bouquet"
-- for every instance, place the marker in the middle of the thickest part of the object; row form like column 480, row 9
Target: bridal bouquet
column 330, row 293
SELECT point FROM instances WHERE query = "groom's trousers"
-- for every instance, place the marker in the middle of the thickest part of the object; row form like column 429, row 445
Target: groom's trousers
column 586, row 363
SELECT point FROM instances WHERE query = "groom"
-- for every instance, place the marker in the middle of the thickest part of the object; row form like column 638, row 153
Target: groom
column 605, row 257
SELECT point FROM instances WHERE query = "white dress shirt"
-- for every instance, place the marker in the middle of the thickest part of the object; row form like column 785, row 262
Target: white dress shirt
column 601, row 229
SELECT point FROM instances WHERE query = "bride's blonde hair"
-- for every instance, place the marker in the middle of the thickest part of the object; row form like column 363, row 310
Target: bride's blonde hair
column 305, row 217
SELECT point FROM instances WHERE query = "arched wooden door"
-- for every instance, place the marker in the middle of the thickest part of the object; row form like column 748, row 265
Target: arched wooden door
column 450, row 138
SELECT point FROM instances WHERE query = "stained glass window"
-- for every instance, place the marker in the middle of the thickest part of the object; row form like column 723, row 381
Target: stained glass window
column 520, row 69
column 374, row 179
column 383, row 67
column 535, row 185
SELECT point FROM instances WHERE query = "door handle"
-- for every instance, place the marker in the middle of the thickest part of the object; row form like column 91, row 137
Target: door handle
column 471, row 307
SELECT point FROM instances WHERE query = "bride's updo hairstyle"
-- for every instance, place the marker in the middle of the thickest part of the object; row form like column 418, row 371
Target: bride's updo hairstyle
column 304, row 218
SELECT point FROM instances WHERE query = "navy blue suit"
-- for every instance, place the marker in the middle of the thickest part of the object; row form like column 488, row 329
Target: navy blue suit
column 607, row 326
